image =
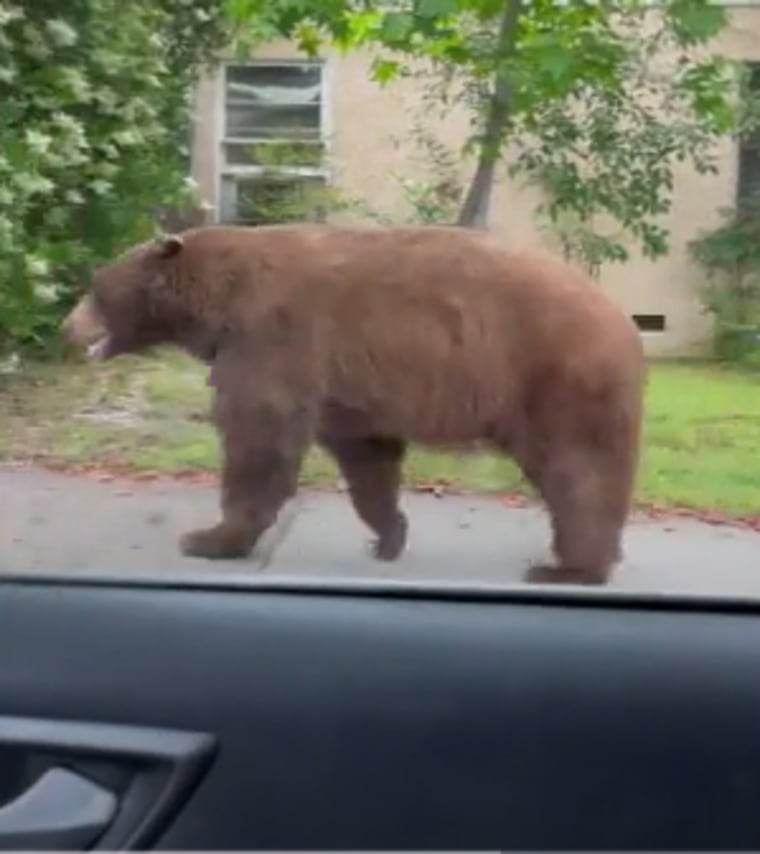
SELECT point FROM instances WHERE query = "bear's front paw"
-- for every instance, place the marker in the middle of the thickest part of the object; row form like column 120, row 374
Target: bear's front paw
column 222, row 542
column 391, row 543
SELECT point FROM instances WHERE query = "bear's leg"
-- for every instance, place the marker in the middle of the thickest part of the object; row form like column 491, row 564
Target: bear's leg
column 372, row 470
column 588, row 496
column 262, row 459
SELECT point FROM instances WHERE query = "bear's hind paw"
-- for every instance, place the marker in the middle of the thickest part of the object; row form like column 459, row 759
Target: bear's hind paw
column 547, row 574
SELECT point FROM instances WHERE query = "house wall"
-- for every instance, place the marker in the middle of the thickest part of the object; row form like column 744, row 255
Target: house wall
column 368, row 125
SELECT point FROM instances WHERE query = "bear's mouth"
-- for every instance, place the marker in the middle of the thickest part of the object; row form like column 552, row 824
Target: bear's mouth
column 99, row 349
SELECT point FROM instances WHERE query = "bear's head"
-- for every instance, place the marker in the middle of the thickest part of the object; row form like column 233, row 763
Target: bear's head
column 133, row 303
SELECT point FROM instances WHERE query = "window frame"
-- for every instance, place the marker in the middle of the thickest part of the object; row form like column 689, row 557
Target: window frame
column 221, row 139
column 747, row 148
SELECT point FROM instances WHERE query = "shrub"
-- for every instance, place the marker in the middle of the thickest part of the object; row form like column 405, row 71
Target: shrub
column 94, row 100
column 730, row 257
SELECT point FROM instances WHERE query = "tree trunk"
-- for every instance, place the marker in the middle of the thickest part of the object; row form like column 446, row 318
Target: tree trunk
column 477, row 202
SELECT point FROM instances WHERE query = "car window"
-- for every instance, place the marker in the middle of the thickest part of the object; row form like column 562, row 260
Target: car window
column 493, row 379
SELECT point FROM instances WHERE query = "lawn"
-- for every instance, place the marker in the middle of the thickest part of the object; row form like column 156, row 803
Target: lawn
column 701, row 447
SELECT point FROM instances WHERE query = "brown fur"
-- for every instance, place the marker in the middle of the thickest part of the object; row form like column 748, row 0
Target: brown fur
column 366, row 339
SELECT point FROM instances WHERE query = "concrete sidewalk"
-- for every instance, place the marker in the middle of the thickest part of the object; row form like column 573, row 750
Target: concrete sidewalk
column 59, row 523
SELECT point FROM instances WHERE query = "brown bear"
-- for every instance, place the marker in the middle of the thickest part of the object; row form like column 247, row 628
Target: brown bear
column 365, row 339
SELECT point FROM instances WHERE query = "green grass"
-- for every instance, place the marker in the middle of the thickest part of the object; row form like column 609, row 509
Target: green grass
column 702, row 438
column 701, row 442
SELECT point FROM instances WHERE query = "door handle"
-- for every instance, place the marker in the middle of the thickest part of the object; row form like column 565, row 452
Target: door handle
column 62, row 811
column 154, row 772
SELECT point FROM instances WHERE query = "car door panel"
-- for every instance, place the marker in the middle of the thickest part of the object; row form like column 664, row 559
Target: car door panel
column 392, row 718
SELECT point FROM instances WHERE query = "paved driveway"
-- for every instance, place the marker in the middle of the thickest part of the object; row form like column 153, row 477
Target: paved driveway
column 53, row 522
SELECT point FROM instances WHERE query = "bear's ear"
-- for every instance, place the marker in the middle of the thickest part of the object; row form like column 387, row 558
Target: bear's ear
column 170, row 244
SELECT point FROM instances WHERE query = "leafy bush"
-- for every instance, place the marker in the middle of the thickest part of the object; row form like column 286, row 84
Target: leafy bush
column 94, row 123
column 730, row 257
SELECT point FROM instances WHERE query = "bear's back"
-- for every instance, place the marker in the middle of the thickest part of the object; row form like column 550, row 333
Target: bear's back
column 461, row 281
column 390, row 265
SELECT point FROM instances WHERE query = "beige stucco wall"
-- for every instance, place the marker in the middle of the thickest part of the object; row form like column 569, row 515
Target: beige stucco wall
column 367, row 122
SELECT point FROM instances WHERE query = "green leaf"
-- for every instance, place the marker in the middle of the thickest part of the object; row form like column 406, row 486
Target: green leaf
column 397, row 27
column 309, row 39
column 696, row 21
column 556, row 62
column 239, row 10
column 385, row 70
column 362, row 27
column 436, row 8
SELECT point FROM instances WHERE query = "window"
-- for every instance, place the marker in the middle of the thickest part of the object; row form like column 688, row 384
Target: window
column 272, row 142
column 748, row 179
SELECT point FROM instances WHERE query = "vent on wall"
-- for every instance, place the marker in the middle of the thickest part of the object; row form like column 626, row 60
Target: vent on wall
column 650, row 322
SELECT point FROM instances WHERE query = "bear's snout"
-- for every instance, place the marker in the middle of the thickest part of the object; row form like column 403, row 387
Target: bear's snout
column 83, row 326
